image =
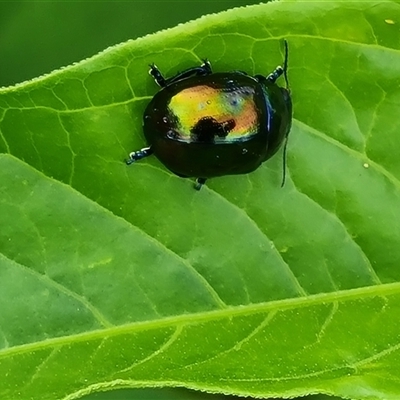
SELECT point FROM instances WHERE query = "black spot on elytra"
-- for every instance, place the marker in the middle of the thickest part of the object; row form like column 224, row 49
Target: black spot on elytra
column 207, row 128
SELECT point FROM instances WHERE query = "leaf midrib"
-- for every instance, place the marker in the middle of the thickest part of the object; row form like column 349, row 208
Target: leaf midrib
column 191, row 319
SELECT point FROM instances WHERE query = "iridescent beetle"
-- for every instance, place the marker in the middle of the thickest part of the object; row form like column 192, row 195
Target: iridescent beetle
column 203, row 124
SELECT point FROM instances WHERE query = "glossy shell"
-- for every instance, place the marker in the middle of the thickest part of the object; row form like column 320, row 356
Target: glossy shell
column 219, row 124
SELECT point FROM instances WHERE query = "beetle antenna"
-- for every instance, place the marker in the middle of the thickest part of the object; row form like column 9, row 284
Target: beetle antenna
column 284, row 161
column 285, row 63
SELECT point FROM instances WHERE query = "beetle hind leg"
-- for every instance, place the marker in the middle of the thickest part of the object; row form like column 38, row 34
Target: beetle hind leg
column 157, row 75
column 205, row 67
column 202, row 70
column 138, row 155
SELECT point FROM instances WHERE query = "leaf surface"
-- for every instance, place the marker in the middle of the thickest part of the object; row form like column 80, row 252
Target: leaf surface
column 114, row 276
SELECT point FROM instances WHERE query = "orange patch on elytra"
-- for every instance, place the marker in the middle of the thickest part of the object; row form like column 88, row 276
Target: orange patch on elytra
column 193, row 104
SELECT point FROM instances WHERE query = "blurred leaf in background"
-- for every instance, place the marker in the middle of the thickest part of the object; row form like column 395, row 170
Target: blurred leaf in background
column 37, row 37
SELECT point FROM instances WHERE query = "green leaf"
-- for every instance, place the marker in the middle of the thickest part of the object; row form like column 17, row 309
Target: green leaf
column 114, row 276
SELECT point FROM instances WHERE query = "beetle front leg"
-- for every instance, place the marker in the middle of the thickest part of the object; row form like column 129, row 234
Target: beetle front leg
column 274, row 75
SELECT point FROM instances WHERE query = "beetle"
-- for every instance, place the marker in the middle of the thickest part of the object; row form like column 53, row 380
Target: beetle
column 203, row 124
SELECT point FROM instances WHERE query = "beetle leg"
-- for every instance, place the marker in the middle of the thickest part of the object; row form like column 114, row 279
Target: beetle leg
column 157, row 75
column 274, row 75
column 199, row 183
column 138, row 155
column 206, row 66
column 203, row 70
